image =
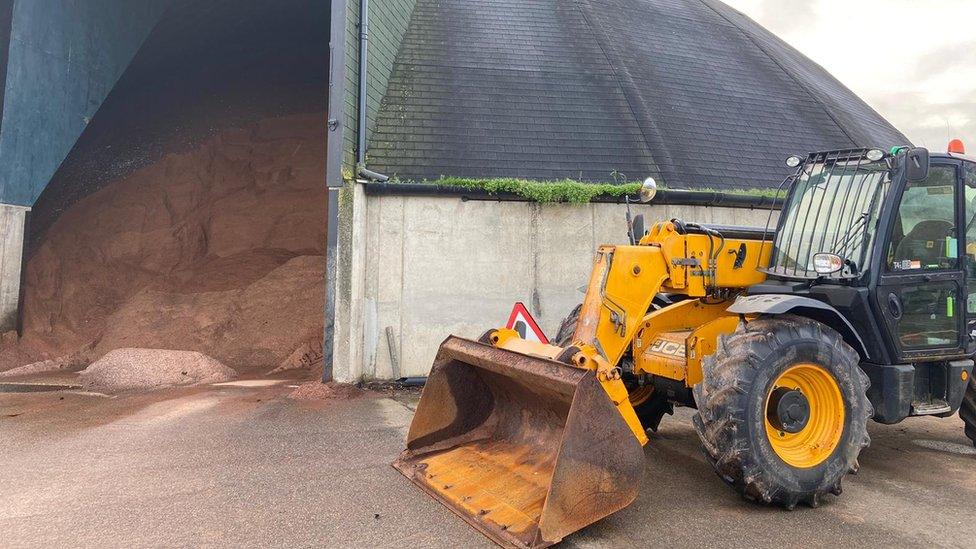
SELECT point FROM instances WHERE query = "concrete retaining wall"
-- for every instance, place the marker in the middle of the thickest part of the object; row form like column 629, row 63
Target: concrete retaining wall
column 12, row 220
column 430, row 267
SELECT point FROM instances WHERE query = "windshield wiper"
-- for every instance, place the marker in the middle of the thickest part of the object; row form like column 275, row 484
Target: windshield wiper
column 858, row 229
column 843, row 244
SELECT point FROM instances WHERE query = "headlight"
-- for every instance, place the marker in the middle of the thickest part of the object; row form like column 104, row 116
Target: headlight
column 874, row 155
column 648, row 190
column 826, row 264
column 794, row 161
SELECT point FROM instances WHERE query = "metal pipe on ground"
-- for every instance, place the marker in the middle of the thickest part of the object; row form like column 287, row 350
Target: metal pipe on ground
column 412, row 381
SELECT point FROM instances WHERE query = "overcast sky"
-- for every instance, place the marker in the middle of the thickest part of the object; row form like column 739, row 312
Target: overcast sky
column 914, row 61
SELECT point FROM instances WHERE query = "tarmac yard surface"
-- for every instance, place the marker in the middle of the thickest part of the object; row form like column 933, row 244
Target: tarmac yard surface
column 237, row 465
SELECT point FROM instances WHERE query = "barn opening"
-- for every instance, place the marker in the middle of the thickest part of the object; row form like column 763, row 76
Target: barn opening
column 190, row 211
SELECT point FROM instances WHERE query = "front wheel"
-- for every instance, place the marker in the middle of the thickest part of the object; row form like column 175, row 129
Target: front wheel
column 783, row 410
column 968, row 410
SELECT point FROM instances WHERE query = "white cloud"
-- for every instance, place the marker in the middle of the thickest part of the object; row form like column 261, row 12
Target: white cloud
column 915, row 62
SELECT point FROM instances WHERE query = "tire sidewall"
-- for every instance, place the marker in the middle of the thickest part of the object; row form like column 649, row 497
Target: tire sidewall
column 769, row 369
column 967, row 410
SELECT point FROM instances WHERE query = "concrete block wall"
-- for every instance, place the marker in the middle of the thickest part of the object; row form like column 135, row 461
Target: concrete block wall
column 12, row 224
column 430, row 267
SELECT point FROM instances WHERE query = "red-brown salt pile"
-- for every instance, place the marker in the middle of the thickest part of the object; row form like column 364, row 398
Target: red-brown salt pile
column 218, row 250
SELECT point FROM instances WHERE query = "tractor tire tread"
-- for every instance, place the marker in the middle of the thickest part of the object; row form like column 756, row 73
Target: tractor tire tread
column 967, row 411
column 723, row 396
column 564, row 335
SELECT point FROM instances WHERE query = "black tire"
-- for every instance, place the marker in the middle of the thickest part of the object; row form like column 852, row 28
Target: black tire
column 564, row 336
column 732, row 402
column 651, row 410
column 968, row 410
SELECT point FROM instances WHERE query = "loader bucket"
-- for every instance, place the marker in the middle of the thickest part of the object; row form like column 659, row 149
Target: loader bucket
column 525, row 449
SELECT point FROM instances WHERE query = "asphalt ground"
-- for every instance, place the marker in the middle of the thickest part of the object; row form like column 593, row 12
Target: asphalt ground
column 249, row 467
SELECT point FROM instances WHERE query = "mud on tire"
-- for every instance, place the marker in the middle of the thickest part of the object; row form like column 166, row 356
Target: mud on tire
column 564, row 336
column 968, row 410
column 731, row 409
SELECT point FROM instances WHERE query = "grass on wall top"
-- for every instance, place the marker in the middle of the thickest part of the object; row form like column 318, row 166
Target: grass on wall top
column 567, row 190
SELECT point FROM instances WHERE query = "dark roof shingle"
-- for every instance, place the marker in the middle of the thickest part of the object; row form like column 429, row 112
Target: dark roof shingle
column 689, row 91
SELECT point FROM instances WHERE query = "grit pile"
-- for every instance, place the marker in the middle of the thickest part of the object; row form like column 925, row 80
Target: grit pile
column 219, row 250
column 74, row 362
column 144, row 369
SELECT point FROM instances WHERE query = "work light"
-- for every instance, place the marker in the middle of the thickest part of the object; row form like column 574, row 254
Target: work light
column 826, row 264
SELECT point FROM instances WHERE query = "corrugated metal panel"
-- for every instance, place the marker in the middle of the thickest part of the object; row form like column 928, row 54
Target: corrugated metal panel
column 65, row 56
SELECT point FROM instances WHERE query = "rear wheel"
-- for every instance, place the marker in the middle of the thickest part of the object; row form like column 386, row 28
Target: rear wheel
column 564, row 336
column 968, row 410
column 783, row 410
column 649, row 405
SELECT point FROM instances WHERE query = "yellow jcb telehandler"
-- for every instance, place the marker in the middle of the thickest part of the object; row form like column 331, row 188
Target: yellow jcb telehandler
column 861, row 304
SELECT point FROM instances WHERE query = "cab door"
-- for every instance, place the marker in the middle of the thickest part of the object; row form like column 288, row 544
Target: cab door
column 921, row 290
column 969, row 253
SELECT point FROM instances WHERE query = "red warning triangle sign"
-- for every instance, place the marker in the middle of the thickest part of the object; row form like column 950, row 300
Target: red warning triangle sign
column 522, row 322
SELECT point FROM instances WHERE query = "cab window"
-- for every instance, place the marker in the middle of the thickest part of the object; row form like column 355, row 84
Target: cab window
column 924, row 235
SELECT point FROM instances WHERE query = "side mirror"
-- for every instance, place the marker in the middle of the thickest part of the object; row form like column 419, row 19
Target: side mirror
column 637, row 229
column 648, row 190
column 917, row 164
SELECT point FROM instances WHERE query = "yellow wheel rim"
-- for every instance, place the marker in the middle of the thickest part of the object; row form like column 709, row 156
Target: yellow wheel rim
column 820, row 436
column 640, row 395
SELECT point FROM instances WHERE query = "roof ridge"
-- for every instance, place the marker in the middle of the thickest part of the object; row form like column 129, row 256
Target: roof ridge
column 708, row 4
column 627, row 93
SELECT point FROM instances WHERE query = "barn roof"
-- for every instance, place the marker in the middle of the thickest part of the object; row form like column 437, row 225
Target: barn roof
column 689, row 91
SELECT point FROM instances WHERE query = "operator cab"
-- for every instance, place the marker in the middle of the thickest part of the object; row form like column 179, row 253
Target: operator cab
column 887, row 240
column 930, row 262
